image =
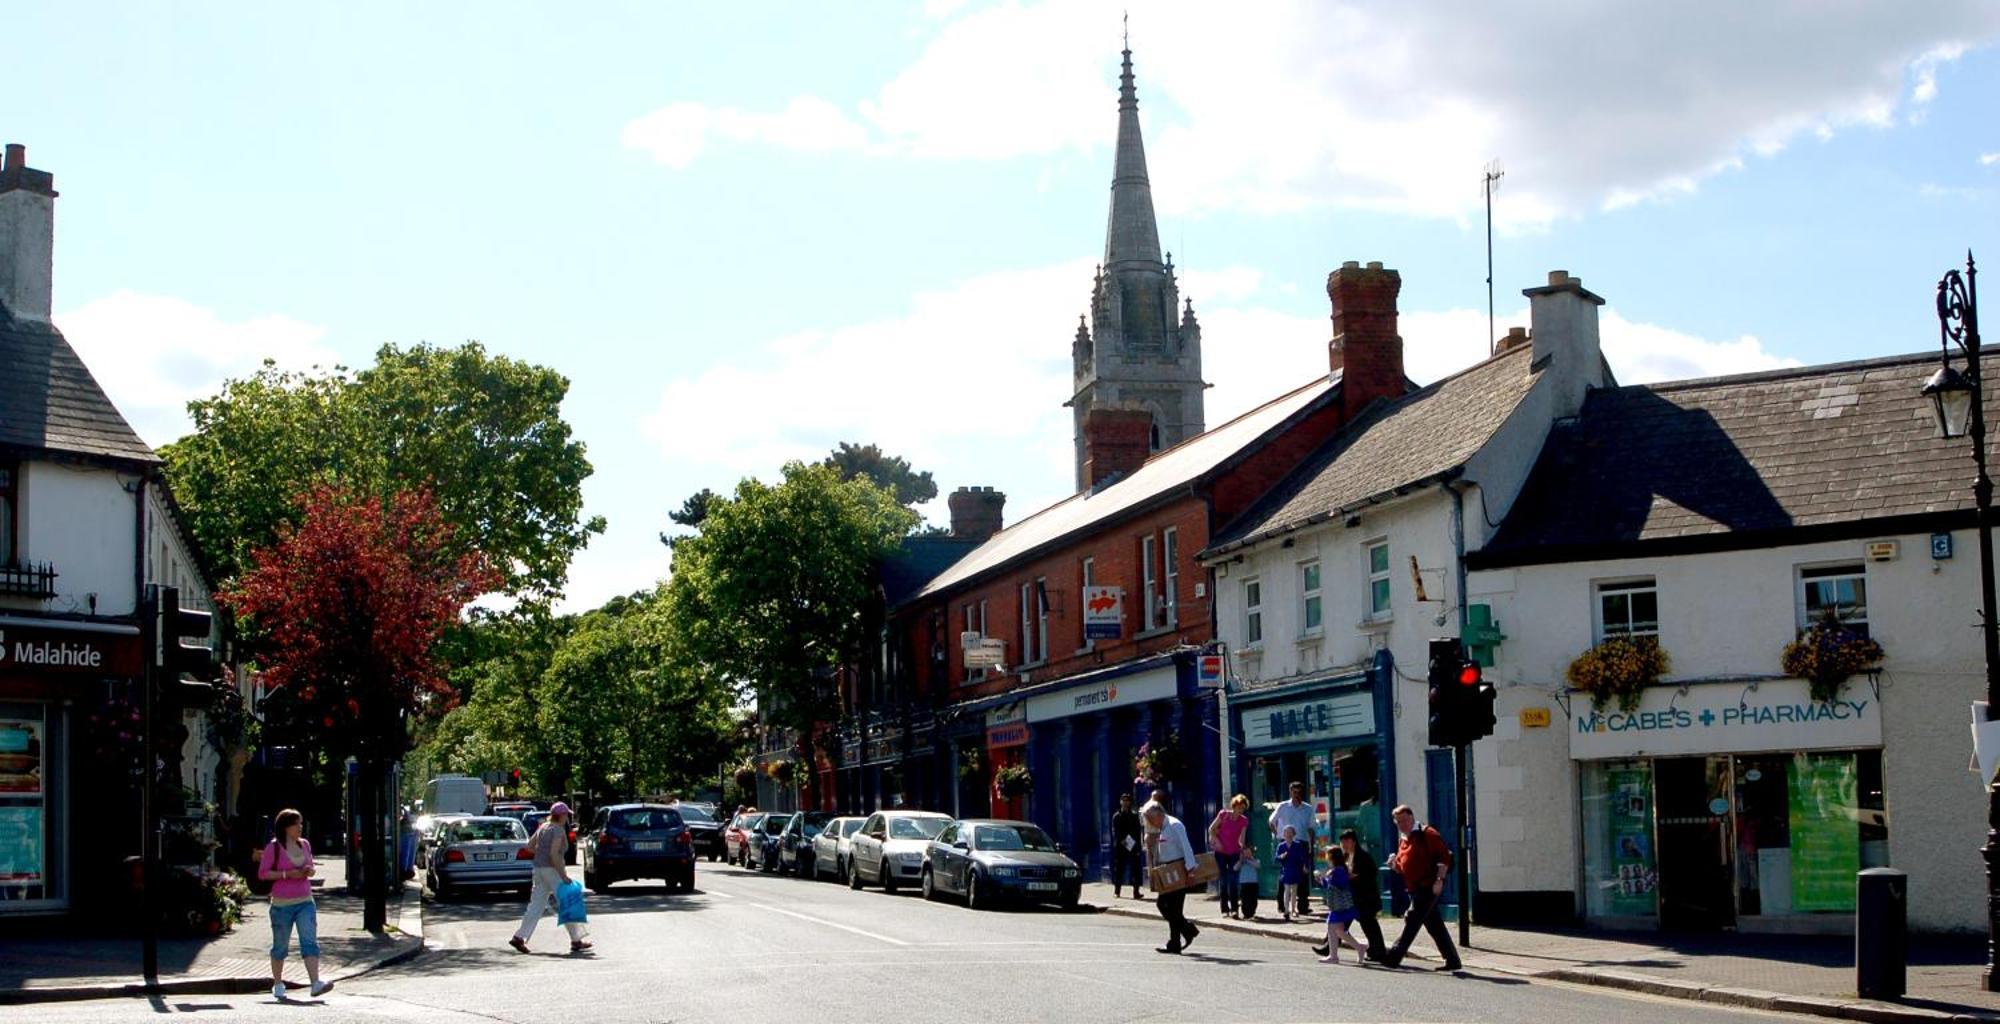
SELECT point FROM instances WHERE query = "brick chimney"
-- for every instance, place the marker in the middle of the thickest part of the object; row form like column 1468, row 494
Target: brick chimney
column 1115, row 441
column 975, row 512
column 27, row 236
column 1516, row 337
column 1366, row 350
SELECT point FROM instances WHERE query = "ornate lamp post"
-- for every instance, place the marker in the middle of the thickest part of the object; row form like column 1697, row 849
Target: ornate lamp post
column 1960, row 413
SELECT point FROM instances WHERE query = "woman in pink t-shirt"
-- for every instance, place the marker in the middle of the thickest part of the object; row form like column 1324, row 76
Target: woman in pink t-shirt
column 288, row 865
column 1225, row 837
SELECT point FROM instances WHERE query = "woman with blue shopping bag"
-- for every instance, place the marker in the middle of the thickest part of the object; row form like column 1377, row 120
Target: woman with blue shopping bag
column 549, row 843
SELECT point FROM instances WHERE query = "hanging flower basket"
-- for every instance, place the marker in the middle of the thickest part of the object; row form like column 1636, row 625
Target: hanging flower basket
column 1013, row 780
column 1158, row 764
column 1619, row 668
column 1826, row 654
column 746, row 778
column 971, row 764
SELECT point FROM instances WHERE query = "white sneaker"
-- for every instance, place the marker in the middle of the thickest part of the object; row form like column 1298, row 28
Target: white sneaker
column 278, row 991
column 320, row 988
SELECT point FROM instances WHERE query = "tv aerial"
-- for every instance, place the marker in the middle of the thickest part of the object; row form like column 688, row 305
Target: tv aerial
column 1490, row 183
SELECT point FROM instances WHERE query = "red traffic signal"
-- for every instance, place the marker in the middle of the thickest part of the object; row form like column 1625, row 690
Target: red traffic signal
column 1468, row 675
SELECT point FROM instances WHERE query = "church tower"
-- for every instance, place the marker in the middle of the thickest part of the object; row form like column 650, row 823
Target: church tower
column 1140, row 348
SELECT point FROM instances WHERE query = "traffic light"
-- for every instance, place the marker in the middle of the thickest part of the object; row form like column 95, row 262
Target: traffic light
column 1461, row 700
column 180, row 648
column 1478, row 697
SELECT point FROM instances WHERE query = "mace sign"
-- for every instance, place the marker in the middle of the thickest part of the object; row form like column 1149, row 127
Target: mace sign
column 67, row 650
column 1728, row 718
column 1329, row 718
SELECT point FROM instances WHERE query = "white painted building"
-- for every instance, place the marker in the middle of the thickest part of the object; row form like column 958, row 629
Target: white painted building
column 1330, row 589
column 1722, row 516
column 85, row 525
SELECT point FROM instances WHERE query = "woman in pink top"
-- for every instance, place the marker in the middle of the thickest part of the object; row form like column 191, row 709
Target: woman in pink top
column 288, row 865
column 1225, row 838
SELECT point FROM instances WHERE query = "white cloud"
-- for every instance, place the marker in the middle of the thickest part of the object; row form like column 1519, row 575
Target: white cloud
column 1989, row 159
column 155, row 353
column 1286, row 105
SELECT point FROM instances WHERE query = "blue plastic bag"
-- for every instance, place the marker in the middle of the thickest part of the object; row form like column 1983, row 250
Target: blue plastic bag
column 569, row 903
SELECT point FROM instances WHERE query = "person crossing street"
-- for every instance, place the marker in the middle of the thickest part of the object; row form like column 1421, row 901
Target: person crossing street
column 549, row 844
column 1423, row 859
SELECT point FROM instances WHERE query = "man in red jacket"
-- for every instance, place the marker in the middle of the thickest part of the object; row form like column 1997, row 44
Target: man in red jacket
column 1423, row 860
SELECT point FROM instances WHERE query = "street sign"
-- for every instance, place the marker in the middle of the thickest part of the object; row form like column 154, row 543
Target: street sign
column 1209, row 672
column 1103, row 612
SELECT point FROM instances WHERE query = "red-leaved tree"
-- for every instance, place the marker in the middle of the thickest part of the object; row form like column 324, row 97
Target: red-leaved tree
column 343, row 614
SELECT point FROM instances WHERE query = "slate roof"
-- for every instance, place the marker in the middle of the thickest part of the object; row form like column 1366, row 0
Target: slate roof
column 1416, row 438
column 917, row 562
column 1167, row 472
column 50, row 402
column 1727, row 461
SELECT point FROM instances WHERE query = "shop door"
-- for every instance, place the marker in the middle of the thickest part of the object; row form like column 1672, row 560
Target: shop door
column 1696, row 862
column 1441, row 783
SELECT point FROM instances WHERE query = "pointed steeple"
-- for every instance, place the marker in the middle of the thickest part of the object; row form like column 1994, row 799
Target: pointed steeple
column 1132, row 239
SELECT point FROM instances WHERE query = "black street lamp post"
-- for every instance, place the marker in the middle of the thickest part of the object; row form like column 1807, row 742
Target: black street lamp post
column 1961, row 413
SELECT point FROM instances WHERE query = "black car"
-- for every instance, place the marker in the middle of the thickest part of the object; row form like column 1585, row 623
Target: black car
column 638, row 841
column 988, row 860
column 795, row 843
column 706, row 830
column 762, row 852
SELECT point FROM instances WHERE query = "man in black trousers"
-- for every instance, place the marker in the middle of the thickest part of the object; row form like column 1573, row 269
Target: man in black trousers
column 1127, row 853
column 1365, row 876
column 1423, row 860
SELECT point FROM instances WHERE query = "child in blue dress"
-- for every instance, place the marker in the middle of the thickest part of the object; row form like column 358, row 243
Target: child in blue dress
column 1339, row 907
column 1294, row 857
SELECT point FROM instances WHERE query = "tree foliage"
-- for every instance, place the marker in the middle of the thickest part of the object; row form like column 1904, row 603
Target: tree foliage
column 484, row 434
column 892, row 472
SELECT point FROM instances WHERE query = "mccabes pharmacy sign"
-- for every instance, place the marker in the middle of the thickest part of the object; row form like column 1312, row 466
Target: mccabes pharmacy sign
column 1727, row 718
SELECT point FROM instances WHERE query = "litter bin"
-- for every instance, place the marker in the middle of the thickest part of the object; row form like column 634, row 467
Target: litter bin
column 1881, row 933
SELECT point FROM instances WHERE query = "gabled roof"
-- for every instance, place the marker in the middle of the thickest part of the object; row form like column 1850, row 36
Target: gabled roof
column 1166, row 473
column 918, row 561
column 50, row 402
column 1408, row 441
column 1727, row 461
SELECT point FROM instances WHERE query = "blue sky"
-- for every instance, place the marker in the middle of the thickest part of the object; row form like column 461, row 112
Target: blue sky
column 747, row 233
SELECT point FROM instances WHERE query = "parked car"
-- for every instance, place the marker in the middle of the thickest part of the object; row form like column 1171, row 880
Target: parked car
column 889, row 848
column 628, row 841
column 830, row 848
column 706, row 830
column 795, row 844
column 429, row 827
column 763, row 849
column 736, row 838
column 988, row 859
column 533, row 820
column 486, row 852
column 511, row 809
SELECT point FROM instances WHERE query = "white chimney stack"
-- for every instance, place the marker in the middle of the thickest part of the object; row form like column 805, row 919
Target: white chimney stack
column 27, row 236
column 1563, row 314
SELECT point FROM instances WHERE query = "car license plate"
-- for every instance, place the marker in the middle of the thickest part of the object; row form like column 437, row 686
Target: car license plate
column 1041, row 886
column 490, row 856
column 655, row 845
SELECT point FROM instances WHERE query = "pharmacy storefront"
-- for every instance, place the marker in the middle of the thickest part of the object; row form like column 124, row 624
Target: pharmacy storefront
column 1730, row 805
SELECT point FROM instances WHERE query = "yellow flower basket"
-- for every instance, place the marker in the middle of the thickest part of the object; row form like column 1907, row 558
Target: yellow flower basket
column 1621, row 667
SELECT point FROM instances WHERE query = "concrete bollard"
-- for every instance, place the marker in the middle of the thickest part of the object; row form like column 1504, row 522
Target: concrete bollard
column 1881, row 933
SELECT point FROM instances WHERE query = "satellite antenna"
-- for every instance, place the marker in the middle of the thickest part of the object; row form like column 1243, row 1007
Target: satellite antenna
column 1490, row 182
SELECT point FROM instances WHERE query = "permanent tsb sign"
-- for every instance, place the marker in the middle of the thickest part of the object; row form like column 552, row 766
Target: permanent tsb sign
column 1089, row 698
column 1727, row 718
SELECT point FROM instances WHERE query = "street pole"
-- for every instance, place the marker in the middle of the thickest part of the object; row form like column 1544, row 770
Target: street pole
column 149, row 834
column 1966, row 307
column 1460, row 756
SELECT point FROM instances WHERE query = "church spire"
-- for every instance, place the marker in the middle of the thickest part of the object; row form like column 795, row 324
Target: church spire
column 1132, row 239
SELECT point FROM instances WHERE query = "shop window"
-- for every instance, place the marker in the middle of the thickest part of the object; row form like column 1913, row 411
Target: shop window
column 1253, row 612
column 1378, row 580
column 1805, row 823
column 1310, row 612
column 1620, row 876
column 1837, row 590
column 1628, row 608
column 9, row 508
column 30, row 767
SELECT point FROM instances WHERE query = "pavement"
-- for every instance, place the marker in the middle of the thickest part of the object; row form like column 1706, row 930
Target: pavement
column 42, row 970
column 1792, row 974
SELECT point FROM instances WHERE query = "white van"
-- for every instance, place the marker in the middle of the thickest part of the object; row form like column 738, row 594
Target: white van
column 454, row 794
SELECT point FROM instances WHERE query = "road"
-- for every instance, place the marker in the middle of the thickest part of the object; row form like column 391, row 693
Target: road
column 749, row 947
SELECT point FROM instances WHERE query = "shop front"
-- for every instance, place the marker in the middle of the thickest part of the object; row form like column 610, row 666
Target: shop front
column 1329, row 735
column 1006, row 748
column 50, row 673
column 1742, row 805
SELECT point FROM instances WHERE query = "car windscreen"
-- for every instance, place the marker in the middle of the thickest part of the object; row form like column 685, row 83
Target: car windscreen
column 776, row 823
column 644, row 819
column 916, row 828
column 850, row 826
column 1011, row 837
column 484, row 831
column 693, row 814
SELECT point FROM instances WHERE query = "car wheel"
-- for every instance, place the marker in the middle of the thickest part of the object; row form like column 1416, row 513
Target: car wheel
column 1068, row 901
column 888, row 876
column 974, row 898
column 687, row 878
column 853, row 875
column 930, row 887
column 596, row 882
column 712, row 855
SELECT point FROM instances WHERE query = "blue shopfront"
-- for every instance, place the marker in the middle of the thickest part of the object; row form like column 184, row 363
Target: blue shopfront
column 1333, row 734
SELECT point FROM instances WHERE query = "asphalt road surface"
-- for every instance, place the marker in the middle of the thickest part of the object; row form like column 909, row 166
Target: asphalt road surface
column 765, row 949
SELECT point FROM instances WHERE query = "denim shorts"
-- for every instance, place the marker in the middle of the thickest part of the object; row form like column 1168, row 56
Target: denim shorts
column 282, row 921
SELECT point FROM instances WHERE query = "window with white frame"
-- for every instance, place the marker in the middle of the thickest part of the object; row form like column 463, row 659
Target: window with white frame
column 1027, row 609
column 1170, row 551
column 1041, row 618
column 1149, row 577
column 1253, row 612
column 1035, row 621
column 1310, row 609
column 1628, row 608
column 1089, row 579
column 1840, row 591
column 1378, row 579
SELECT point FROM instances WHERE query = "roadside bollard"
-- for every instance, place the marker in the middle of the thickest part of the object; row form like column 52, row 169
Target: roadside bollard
column 1881, row 933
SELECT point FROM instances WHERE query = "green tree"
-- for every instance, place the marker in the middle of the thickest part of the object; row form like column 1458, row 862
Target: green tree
column 482, row 433
column 768, row 595
column 892, row 472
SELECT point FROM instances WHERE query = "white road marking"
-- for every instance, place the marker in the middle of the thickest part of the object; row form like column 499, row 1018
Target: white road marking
column 863, row 932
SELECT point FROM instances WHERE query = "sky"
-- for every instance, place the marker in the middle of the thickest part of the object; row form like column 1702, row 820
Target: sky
column 746, row 233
